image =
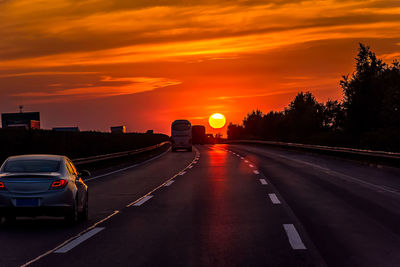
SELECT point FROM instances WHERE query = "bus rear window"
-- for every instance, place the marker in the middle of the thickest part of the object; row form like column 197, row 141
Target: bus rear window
column 181, row 126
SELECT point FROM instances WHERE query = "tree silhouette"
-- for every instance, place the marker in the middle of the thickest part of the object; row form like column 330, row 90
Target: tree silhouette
column 372, row 102
column 364, row 93
column 253, row 123
column 334, row 116
column 235, row 131
column 304, row 116
column 274, row 126
column 368, row 116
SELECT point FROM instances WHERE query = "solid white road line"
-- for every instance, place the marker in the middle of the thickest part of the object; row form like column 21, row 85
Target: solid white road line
column 263, row 181
column 294, row 237
column 251, row 165
column 169, row 183
column 256, row 172
column 79, row 240
column 274, row 199
column 142, row 201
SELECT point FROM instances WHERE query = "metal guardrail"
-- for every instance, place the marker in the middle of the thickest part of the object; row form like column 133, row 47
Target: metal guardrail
column 379, row 156
column 117, row 155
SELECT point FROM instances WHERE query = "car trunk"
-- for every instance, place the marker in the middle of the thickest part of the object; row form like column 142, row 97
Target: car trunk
column 28, row 183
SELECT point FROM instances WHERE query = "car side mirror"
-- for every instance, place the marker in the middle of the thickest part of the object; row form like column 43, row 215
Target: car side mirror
column 84, row 173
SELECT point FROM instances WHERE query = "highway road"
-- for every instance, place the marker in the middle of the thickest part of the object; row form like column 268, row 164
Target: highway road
column 224, row 205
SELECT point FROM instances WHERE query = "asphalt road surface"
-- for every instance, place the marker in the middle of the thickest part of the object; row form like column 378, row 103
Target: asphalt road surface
column 224, row 205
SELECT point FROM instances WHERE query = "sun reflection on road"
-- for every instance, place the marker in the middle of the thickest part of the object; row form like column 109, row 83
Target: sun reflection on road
column 217, row 232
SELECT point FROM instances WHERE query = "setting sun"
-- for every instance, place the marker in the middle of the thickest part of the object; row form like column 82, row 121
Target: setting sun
column 217, row 120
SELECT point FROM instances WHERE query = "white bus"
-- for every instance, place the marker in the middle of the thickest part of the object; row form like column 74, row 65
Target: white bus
column 181, row 134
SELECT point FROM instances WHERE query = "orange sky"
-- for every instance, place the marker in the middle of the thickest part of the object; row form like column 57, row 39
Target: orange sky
column 98, row 63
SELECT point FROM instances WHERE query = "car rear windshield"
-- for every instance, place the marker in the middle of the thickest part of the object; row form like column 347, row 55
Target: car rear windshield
column 34, row 165
column 181, row 126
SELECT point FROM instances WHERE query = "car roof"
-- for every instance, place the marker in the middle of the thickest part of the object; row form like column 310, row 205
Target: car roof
column 36, row 156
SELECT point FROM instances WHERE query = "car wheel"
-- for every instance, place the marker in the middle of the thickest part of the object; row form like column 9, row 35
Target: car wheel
column 84, row 214
column 72, row 216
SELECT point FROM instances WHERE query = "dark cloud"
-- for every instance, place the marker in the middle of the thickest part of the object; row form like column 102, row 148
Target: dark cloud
column 17, row 43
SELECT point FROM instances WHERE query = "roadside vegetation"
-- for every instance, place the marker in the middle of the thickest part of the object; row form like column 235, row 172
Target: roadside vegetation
column 367, row 117
column 72, row 144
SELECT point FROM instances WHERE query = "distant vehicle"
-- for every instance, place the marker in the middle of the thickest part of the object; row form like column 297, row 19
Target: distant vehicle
column 34, row 185
column 181, row 135
column 210, row 139
column 199, row 134
column 118, row 129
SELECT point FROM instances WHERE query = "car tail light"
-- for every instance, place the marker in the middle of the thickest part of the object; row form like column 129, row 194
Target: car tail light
column 58, row 184
column 2, row 186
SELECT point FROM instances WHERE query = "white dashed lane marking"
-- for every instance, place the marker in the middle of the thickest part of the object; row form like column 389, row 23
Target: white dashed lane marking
column 246, row 161
column 274, row 199
column 256, row 172
column 182, row 173
column 142, row 201
column 169, row 183
column 251, row 165
column 263, row 182
column 294, row 237
column 79, row 240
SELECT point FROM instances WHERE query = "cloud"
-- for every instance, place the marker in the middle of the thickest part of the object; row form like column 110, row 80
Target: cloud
column 256, row 95
column 47, row 33
column 110, row 87
column 45, row 73
column 202, row 49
